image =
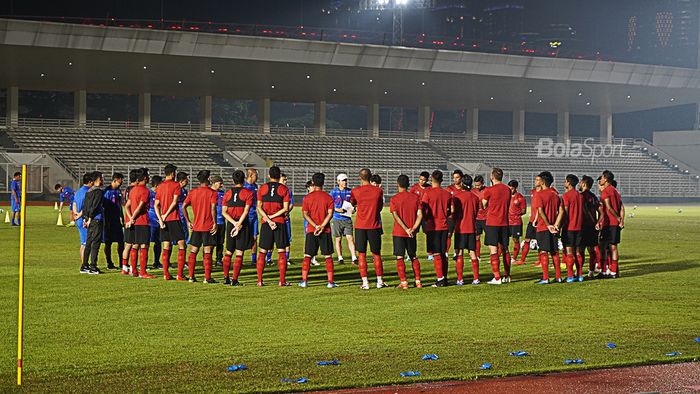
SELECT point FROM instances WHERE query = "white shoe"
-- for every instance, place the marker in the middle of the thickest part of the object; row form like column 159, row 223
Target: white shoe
column 331, row 285
column 303, row 285
column 512, row 261
column 476, row 282
column 364, row 287
column 505, row 280
column 381, row 284
column 314, row 262
column 459, row 283
column 341, row 261
column 494, row 281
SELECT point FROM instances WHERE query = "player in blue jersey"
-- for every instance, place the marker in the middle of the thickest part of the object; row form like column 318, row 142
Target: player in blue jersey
column 113, row 220
column 153, row 222
column 183, row 180
column 250, row 184
column 217, row 184
column 77, row 208
column 16, row 197
column 342, row 224
column 288, row 223
column 65, row 196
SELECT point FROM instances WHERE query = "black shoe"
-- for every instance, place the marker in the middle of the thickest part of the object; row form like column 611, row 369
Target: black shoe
column 210, row 281
column 157, row 266
column 84, row 269
column 192, row 279
column 440, row 283
column 219, row 263
column 236, row 283
column 227, row 280
column 94, row 271
column 112, row 267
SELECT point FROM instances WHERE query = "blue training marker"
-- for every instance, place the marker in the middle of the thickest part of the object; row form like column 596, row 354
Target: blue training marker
column 427, row 357
column 298, row 380
column 409, row 374
column 485, row 366
column 573, row 361
column 697, row 339
column 325, row 363
column 611, row 345
column 237, row 367
column 520, row 353
column 673, row 354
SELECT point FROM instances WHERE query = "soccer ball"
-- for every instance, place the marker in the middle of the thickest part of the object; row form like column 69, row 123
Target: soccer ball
column 631, row 215
column 634, row 208
column 533, row 244
column 2, row 211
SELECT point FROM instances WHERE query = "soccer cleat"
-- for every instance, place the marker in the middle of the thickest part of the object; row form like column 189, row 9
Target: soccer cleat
column 403, row 285
column 167, row 277
column 364, row 287
column 570, row 279
column 303, row 284
column 147, row 276
column 94, row 271
column 430, row 257
column 135, row 273
column 125, row 272
column 340, row 260
column 289, row 262
column 459, row 283
column 331, row 285
column 236, row 283
column 112, row 267
column 495, row 281
column 580, row 278
column 210, row 281
column 219, row 263
column 613, row 275
column 181, row 278
column 419, row 285
column 590, row 274
column 354, row 261
column 559, row 280
column 283, row 284
column 542, row 282
column 261, row 284
column 192, row 279
column 505, row 279
column 314, row 262
column 227, row 280
column 84, row 270
column 381, row 284
column 476, row 282
column 157, row 266
column 440, row 283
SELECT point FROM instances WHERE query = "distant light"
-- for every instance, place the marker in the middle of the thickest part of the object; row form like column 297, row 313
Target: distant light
column 580, row 93
column 335, row 90
column 273, row 86
column 114, row 78
column 145, row 67
column 629, row 97
column 401, row 2
column 422, row 83
column 43, row 75
column 540, row 101
column 211, row 71
column 179, row 82
column 491, row 98
column 588, row 103
column 70, row 63
column 308, row 77
column 386, row 92
column 371, row 80
column 697, row 176
column 529, row 91
column 673, row 99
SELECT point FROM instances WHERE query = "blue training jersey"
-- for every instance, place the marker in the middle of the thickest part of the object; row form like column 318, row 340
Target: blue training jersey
column 66, row 195
column 253, row 187
column 152, row 217
column 339, row 197
column 16, row 186
column 219, row 216
column 112, row 202
column 180, row 200
column 78, row 200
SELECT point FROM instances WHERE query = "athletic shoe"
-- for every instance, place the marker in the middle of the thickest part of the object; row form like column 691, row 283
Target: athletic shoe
column 181, row 278
column 71, row 224
column 147, row 276
column 289, row 262
column 125, row 271
column 340, row 260
column 518, row 262
column 459, row 283
column 268, row 263
column 613, row 276
column 403, row 285
column 381, row 284
column 84, row 270
column 210, row 281
column 219, row 263
column 236, row 283
column 559, row 280
column 314, row 262
column 542, row 282
column 192, row 279
column 590, row 274
column 283, row 284
column 157, row 266
column 495, row 281
column 440, row 283
column 476, row 282
column 135, row 274
column 430, row 257
column 227, row 280
column 94, row 271
column 303, row 285
column 364, row 287
column 454, row 256
column 112, row 267
column 331, row 285
column 261, row 284
column 167, row 277
column 570, row 279
column 419, row 285
column 354, row 261
column 580, row 278
column 505, row 279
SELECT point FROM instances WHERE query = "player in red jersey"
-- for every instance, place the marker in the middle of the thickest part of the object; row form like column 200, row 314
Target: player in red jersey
column 137, row 219
column 496, row 200
column 368, row 201
column 518, row 208
column 317, row 209
column 437, row 207
column 611, row 223
column 548, row 206
column 457, row 176
column 570, row 222
column 237, row 202
column 203, row 201
column 419, row 188
column 592, row 210
column 530, row 231
column 406, row 210
column 466, row 205
column 273, row 204
column 478, row 189
column 166, row 209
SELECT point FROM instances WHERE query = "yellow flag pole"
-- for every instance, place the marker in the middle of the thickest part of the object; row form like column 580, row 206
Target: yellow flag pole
column 20, row 317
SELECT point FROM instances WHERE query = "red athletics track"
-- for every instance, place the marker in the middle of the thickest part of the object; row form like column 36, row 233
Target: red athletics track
column 665, row 378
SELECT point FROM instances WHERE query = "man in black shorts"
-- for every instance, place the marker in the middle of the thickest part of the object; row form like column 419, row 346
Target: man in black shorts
column 496, row 200
column 203, row 201
column 128, row 231
column 236, row 206
column 317, row 209
column 408, row 215
column 592, row 210
column 273, row 203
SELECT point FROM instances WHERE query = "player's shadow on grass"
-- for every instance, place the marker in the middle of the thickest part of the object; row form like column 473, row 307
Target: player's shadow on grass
column 654, row 267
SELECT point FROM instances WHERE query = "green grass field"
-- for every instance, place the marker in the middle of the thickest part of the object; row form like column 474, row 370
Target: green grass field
column 111, row 333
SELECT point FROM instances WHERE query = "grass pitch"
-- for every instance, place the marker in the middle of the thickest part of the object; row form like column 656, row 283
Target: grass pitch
column 111, row 333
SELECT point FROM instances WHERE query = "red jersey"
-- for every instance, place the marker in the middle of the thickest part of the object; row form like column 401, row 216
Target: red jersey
column 164, row 195
column 452, row 189
column 573, row 204
column 406, row 206
column 369, row 201
column 590, row 208
column 418, row 190
column 533, row 211
column 201, row 200
column 517, row 209
column 273, row 196
column 466, row 206
column 317, row 204
column 436, row 202
column 498, row 200
column 481, row 215
column 236, row 199
column 548, row 199
column 137, row 194
column 615, row 203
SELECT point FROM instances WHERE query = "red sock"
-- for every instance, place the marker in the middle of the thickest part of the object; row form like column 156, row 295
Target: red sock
column 579, row 264
column 526, row 249
column 495, row 266
column 478, row 247
column 416, row 268
column 305, row 266
column 378, row 264
column 260, row 265
column 191, row 261
column 460, row 268
column 133, row 258
column 449, row 243
column 475, row 268
column 608, row 263
column 329, row 269
column 401, row 269
column 437, row 263
column 500, row 250
column 227, row 265
column 506, row 263
column 124, row 262
column 544, row 262
column 614, row 266
column 207, row 266
column 165, row 260
column 557, row 265
column 516, row 250
column 282, row 265
column 237, row 264
column 597, row 256
column 143, row 261
column 569, row 260
column 181, row 262
column 362, row 264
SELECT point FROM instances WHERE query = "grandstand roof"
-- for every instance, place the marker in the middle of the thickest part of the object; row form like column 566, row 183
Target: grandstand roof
column 56, row 56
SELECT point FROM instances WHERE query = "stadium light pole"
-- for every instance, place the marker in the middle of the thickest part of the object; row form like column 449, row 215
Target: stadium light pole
column 396, row 7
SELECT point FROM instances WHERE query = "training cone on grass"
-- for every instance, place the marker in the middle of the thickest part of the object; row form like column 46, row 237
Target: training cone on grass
column 7, row 216
column 55, row 206
column 59, row 222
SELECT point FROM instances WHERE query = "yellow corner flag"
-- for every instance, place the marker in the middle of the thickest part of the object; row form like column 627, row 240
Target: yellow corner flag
column 20, row 316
